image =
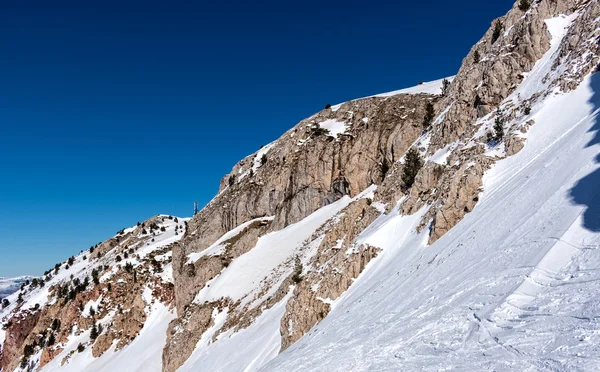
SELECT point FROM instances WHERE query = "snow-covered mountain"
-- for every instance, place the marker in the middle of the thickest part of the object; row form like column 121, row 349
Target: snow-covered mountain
column 106, row 308
column 10, row 285
column 448, row 226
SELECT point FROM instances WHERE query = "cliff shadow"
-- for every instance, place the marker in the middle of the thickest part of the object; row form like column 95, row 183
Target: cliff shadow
column 587, row 190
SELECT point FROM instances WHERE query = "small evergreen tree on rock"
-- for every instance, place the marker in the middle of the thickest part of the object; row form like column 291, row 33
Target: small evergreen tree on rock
column 94, row 332
column 412, row 165
column 524, row 5
column 51, row 339
column 498, row 134
column 498, row 27
column 445, row 87
column 429, row 115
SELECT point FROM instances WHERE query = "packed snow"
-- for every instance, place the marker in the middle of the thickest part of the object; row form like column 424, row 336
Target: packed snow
column 245, row 350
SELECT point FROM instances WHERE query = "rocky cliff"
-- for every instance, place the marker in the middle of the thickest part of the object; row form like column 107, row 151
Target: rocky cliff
column 361, row 144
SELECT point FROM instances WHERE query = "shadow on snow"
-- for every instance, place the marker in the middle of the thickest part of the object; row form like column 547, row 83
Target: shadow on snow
column 587, row 190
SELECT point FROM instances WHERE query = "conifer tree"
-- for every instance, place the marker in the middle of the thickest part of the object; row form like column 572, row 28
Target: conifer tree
column 412, row 165
column 445, row 86
column 524, row 5
column 499, row 127
column 51, row 340
column 429, row 115
column 498, row 27
column 94, row 332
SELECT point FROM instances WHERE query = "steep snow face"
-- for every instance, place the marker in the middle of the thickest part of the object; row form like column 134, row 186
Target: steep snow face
column 514, row 286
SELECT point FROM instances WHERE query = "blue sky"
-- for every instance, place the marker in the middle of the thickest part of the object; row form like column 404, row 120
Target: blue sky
column 112, row 112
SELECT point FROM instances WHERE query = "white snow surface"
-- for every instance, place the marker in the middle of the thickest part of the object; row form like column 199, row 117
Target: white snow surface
column 334, row 127
column 245, row 273
column 515, row 286
column 246, row 350
column 217, row 247
column 430, row 87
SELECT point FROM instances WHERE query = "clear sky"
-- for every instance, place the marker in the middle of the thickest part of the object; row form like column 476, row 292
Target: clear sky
column 114, row 111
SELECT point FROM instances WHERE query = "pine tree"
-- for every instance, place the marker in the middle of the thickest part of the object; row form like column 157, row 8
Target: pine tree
column 412, row 165
column 429, row 115
column 94, row 332
column 55, row 325
column 498, row 134
column 297, row 278
column 51, row 340
column 476, row 56
column 499, row 126
column 498, row 27
column 445, row 87
column 524, row 5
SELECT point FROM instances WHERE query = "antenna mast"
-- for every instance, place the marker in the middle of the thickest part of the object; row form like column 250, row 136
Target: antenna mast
column 195, row 208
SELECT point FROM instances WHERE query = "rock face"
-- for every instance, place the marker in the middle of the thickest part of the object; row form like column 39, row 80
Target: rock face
column 304, row 170
column 310, row 167
column 336, row 264
column 17, row 332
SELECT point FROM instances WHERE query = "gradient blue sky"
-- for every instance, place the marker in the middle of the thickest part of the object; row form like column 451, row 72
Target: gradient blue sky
column 112, row 112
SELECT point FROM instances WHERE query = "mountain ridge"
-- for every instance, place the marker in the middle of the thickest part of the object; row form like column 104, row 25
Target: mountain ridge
column 320, row 252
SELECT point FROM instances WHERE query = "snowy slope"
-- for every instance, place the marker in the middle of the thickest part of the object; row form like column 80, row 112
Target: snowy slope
column 243, row 277
column 514, row 286
column 144, row 353
column 430, row 87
